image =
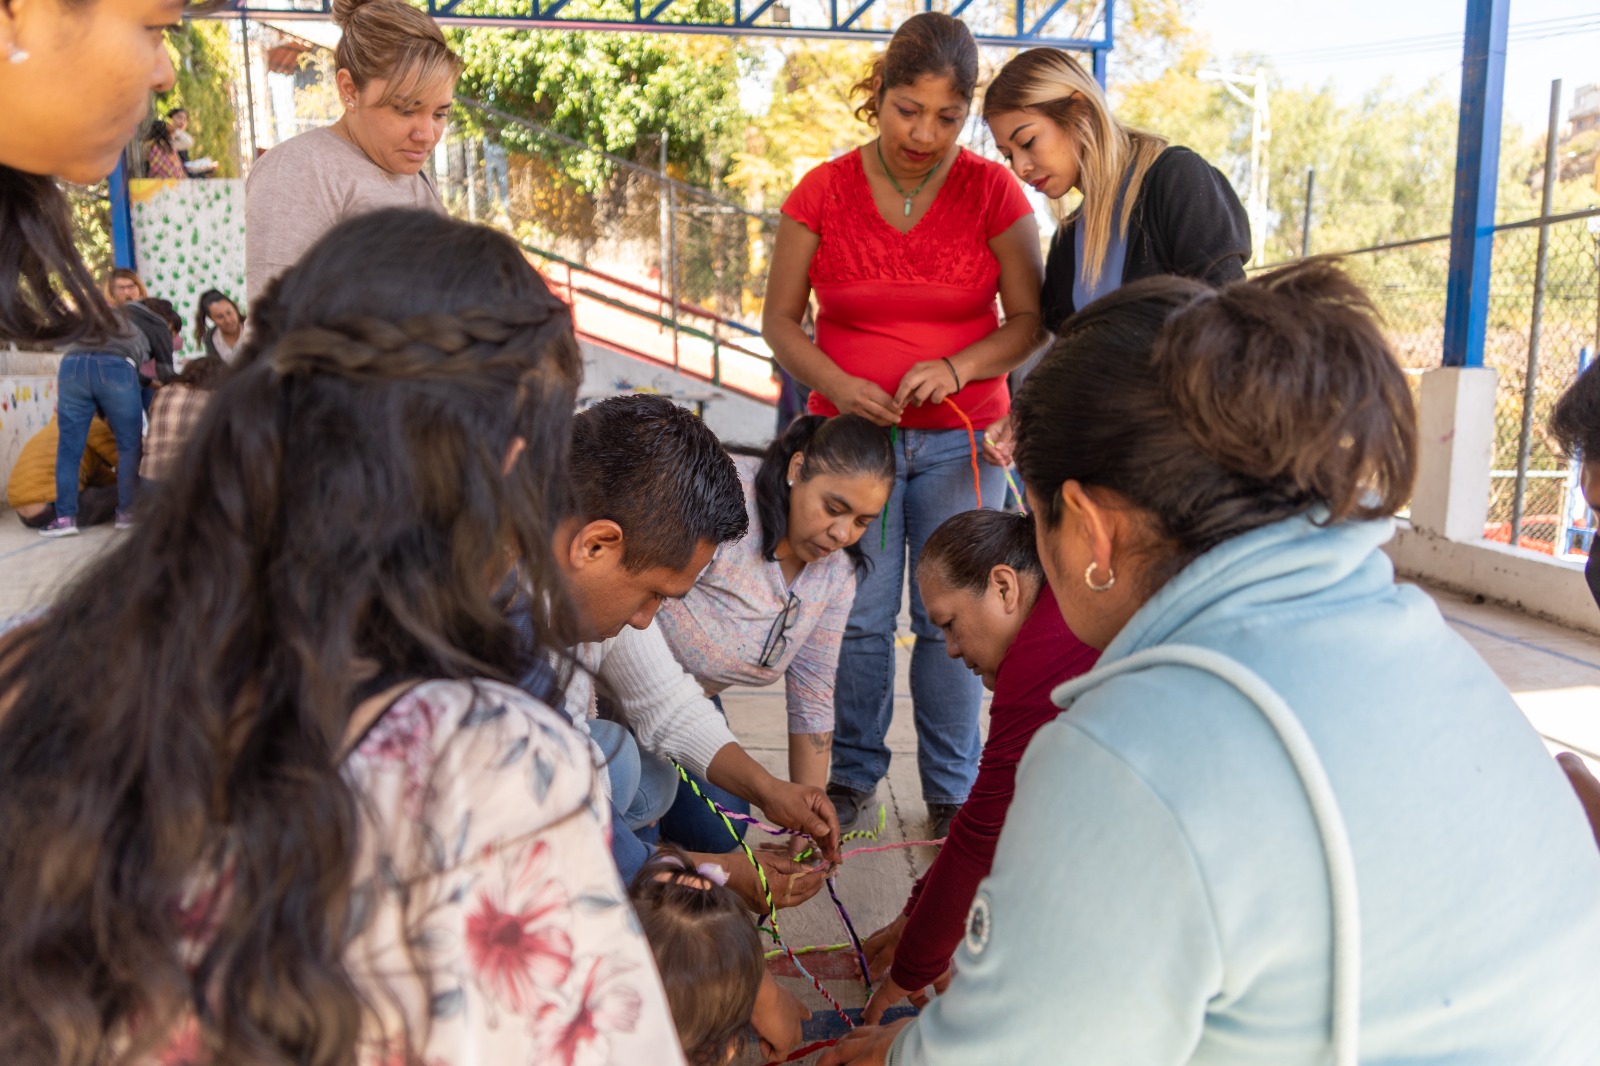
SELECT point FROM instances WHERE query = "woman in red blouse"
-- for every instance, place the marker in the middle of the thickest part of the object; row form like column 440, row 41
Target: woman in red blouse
column 906, row 242
column 984, row 586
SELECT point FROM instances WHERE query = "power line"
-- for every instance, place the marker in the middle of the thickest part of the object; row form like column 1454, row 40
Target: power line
column 1534, row 30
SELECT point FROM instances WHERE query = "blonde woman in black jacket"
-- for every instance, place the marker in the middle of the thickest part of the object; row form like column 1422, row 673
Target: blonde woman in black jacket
column 1148, row 207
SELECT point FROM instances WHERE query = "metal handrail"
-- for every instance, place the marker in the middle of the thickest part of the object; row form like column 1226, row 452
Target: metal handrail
column 679, row 329
column 661, row 298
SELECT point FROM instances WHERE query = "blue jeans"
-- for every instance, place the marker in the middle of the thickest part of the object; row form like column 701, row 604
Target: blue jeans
column 642, row 786
column 692, row 824
column 90, row 382
column 933, row 481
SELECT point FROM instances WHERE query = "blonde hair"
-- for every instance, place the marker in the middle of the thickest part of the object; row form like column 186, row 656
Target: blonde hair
column 1051, row 83
column 392, row 41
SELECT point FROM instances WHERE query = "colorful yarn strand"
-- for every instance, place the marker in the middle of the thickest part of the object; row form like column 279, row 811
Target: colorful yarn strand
column 766, row 890
column 1016, row 490
column 972, row 445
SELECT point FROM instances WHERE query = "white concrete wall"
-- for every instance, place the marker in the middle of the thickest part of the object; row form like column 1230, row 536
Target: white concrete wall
column 1548, row 588
column 27, row 400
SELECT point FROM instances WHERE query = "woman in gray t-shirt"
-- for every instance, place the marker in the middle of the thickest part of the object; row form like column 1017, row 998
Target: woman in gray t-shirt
column 396, row 80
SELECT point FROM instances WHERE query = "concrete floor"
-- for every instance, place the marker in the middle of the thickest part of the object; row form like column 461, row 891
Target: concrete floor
column 1554, row 674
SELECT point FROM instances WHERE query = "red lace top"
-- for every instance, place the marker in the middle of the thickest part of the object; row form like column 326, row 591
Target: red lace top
column 887, row 299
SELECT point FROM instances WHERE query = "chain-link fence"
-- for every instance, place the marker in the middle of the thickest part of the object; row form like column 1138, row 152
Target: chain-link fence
column 618, row 216
column 1532, row 485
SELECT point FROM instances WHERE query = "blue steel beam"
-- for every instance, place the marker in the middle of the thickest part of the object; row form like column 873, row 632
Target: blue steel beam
column 1483, row 73
column 857, row 13
column 542, row 15
column 121, row 217
column 1049, row 14
column 745, row 20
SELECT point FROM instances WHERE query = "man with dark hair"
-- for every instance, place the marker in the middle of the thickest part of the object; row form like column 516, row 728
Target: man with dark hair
column 1575, row 424
column 647, row 470
column 655, row 494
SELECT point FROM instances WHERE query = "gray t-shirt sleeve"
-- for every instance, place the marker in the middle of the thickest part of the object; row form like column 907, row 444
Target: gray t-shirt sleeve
column 289, row 203
column 304, row 187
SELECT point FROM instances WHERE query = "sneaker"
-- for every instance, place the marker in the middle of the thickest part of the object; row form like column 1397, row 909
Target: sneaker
column 940, row 815
column 850, row 805
column 124, row 519
column 60, row 527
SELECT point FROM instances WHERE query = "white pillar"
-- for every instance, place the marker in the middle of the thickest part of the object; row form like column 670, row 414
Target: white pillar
column 1455, row 429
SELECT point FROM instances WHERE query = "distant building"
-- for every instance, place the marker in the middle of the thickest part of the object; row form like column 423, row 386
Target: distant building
column 1585, row 109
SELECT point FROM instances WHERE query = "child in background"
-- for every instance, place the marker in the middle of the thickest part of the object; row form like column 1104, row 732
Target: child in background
column 983, row 586
column 711, row 962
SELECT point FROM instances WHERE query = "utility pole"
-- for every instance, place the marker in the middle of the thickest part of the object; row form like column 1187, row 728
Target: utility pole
column 1260, row 138
column 1305, row 223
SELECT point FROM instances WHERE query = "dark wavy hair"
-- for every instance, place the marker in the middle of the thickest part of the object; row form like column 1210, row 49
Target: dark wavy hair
column 659, row 472
column 334, row 524
column 843, row 444
column 47, row 297
column 1220, row 411
column 931, row 42
column 1575, row 422
column 202, row 317
column 968, row 546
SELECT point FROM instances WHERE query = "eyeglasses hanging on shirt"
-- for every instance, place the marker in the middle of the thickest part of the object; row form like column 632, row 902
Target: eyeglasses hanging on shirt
column 778, row 636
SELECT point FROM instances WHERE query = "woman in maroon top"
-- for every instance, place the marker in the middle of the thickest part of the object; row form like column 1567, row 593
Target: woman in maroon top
column 906, row 242
column 983, row 585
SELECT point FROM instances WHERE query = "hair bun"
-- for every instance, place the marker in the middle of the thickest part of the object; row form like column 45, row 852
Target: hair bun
column 345, row 10
column 1287, row 381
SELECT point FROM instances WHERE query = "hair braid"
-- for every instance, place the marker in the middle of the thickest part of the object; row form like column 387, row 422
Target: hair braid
column 420, row 347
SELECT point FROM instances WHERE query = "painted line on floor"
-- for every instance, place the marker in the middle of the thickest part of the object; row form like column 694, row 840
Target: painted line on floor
column 1519, row 642
column 29, row 548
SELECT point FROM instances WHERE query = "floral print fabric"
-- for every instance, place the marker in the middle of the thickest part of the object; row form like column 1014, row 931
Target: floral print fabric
column 489, row 924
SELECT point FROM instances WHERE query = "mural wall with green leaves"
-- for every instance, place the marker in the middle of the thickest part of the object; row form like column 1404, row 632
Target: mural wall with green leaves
column 188, row 236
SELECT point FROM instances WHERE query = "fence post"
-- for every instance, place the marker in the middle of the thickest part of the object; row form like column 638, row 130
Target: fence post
column 1531, row 378
column 1483, row 75
column 669, row 247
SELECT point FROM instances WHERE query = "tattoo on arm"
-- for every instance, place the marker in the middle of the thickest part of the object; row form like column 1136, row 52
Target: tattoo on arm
column 821, row 743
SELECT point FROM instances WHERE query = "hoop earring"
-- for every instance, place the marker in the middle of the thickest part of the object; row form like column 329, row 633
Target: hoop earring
column 1088, row 578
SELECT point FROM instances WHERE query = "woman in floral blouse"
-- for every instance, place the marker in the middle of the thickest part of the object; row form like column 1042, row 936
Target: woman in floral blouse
column 307, row 821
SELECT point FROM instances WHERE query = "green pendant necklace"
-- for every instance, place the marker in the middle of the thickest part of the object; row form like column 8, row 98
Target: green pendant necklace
column 877, row 144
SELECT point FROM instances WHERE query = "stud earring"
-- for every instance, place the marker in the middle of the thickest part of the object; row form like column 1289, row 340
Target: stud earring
column 790, row 483
column 1088, row 578
column 16, row 55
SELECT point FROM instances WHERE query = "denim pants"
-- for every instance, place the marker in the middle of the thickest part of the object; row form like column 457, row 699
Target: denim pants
column 692, row 824
column 933, row 482
column 90, row 382
column 643, row 787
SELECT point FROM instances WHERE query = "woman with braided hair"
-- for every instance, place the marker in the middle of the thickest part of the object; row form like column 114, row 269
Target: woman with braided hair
column 323, row 826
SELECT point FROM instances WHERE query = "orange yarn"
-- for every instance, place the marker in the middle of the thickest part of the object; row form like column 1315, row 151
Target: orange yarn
column 972, row 443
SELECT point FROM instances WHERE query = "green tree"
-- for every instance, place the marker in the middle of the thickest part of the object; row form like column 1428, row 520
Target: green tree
column 203, row 59
column 614, row 91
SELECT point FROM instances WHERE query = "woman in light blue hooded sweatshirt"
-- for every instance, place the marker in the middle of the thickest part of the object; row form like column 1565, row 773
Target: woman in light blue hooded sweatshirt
column 1291, row 818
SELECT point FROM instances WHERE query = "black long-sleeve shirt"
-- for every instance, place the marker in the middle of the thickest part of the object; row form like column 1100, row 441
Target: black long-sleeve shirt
column 1186, row 220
